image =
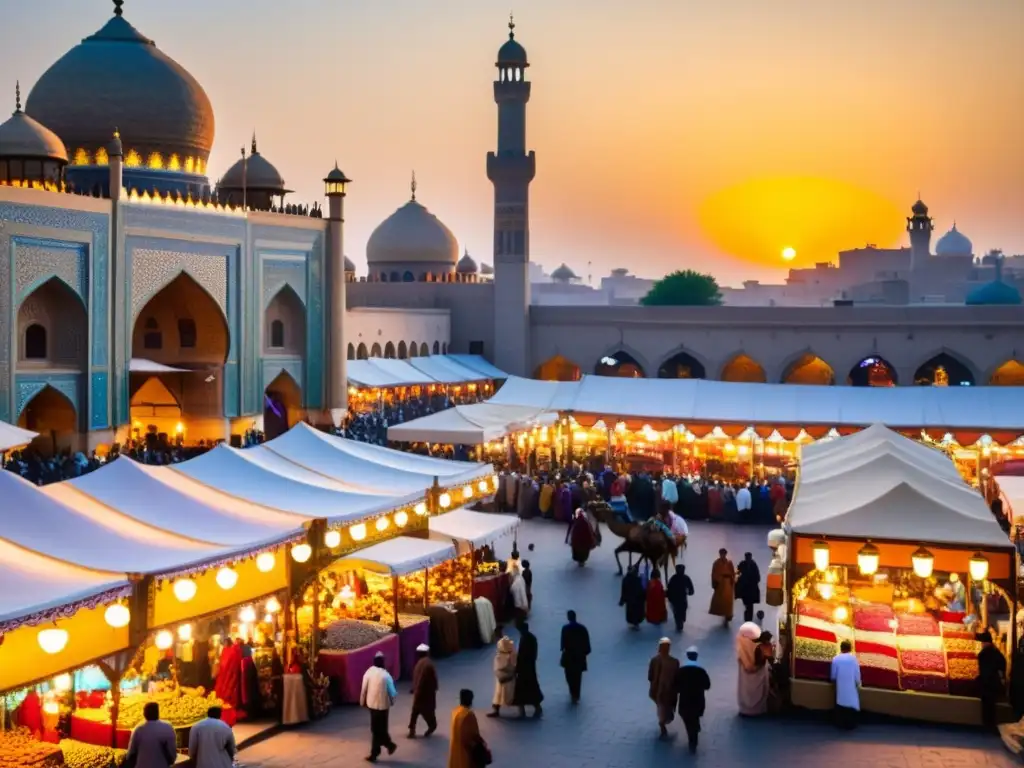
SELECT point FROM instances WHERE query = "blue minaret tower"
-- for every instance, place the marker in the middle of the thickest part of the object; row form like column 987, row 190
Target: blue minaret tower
column 511, row 169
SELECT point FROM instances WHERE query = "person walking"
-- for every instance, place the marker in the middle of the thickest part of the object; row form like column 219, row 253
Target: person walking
column 467, row 748
column 661, row 676
column 575, row 648
column 723, row 577
column 680, row 589
column 152, row 743
column 378, row 694
column 846, row 676
column 211, row 742
column 748, row 585
column 424, row 692
column 633, row 597
column 527, row 693
column 504, row 676
column 692, row 683
column 991, row 679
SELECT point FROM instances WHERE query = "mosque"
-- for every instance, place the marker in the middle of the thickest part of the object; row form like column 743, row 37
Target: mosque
column 129, row 282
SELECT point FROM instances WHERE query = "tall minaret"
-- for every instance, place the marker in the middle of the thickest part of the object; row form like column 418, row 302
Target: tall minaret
column 920, row 227
column 511, row 170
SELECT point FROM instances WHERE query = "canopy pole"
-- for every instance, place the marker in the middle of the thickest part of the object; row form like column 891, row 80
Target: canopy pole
column 394, row 588
column 569, row 455
column 426, row 589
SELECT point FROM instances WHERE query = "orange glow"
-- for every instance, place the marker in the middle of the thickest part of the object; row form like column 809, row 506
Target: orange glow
column 817, row 217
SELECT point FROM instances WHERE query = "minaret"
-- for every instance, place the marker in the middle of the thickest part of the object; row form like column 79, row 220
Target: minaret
column 336, row 401
column 920, row 227
column 511, row 169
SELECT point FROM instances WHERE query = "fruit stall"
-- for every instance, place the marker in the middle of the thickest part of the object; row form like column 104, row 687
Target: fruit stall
column 889, row 549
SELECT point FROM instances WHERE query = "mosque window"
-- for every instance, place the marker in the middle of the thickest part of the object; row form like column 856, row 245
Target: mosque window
column 190, row 164
column 101, row 156
column 277, row 334
column 394, row 277
column 152, row 338
column 81, row 157
column 133, row 159
column 174, row 163
column 437, row 347
column 186, row 333
column 408, row 277
column 35, row 342
column 155, row 161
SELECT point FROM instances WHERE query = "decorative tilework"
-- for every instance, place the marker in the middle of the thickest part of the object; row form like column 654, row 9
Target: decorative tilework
column 273, row 366
column 277, row 274
column 36, row 261
column 30, row 386
column 153, row 269
column 99, row 415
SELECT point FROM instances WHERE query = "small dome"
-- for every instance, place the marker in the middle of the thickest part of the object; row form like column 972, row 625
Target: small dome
column 466, row 265
column 919, row 208
column 257, row 172
column 337, row 174
column 350, row 266
column 486, row 269
column 21, row 136
column 563, row 274
column 512, row 53
column 996, row 292
column 412, row 234
column 954, row 243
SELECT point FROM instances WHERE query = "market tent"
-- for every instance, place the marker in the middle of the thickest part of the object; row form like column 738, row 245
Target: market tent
column 876, row 440
column 140, row 365
column 14, row 437
column 445, row 371
column 472, row 528
column 365, row 374
column 478, row 364
column 441, row 468
column 401, row 555
column 542, row 395
column 401, row 371
column 1011, row 488
column 470, row 424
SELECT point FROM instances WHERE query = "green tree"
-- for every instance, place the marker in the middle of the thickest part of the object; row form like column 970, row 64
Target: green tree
column 686, row 288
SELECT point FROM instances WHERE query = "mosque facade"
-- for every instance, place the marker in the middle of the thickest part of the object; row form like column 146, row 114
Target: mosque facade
column 135, row 292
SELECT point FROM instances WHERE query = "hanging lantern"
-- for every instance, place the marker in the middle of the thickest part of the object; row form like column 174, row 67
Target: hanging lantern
column 420, row 509
column 265, row 562
column 467, row 492
column 382, row 524
column 978, row 567
column 821, row 555
column 923, row 561
column 62, row 683
column 482, row 485
column 445, row 500
column 401, row 519
column 227, row 578
column 185, row 632
column 825, row 591
column 332, row 539
column 867, row 559
column 273, row 605
column 185, row 589
column 357, row 532
column 52, row 640
column 841, row 614
column 117, row 616
column 301, row 553
column 164, row 640
column 247, row 615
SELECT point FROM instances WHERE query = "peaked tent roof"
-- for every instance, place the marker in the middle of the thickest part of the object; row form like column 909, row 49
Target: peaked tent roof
column 875, row 440
column 14, row 437
column 473, row 424
column 475, row 528
column 400, row 555
column 480, row 365
column 444, row 370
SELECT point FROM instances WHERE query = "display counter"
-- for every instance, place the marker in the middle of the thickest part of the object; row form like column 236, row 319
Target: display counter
column 495, row 588
column 346, row 668
column 410, row 637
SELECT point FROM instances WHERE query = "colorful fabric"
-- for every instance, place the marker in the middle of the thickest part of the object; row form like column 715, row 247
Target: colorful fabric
column 881, row 638
column 931, row 662
column 924, row 683
column 916, row 624
column 813, row 633
column 876, row 649
column 841, row 631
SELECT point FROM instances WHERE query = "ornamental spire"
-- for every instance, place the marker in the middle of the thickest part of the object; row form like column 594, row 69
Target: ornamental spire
column 412, row 186
column 253, row 152
column 511, row 26
column 117, row 7
column 17, row 96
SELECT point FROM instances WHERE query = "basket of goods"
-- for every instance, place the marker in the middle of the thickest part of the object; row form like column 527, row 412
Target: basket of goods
column 78, row 754
column 20, row 749
column 352, row 634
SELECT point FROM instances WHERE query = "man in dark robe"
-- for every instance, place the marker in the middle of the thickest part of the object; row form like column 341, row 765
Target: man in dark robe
column 424, row 692
column 575, row 649
column 748, row 585
column 582, row 536
column 991, row 679
column 633, row 596
column 661, row 675
column 528, row 693
column 692, row 682
column 680, row 587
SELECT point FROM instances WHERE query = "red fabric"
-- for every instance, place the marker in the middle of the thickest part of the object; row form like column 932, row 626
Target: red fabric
column 714, row 502
column 657, row 612
column 30, row 713
column 97, row 734
column 881, row 650
column 813, row 633
column 923, row 661
column 247, row 663
column 229, row 678
column 953, row 617
column 777, row 493
column 917, row 624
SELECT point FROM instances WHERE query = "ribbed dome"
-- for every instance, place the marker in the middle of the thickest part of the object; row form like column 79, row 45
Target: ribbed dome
column 412, row 234
column 350, row 266
column 466, row 265
column 257, row 171
column 21, row 136
column 954, row 243
column 118, row 78
column 996, row 292
column 563, row 274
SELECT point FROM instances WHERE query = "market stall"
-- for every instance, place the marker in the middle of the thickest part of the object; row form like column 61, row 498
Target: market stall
column 898, row 556
column 473, row 424
column 12, row 437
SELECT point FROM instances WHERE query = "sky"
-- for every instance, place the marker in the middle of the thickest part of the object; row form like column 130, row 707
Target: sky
column 670, row 134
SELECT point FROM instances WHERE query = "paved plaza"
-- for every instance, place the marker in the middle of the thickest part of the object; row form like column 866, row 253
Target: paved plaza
column 615, row 725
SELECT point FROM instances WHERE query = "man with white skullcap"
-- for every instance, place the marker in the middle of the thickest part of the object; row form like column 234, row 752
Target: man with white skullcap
column 692, row 682
column 424, row 692
column 661, row 674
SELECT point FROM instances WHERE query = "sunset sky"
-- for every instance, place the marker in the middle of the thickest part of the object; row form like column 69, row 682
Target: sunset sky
column 669, row 133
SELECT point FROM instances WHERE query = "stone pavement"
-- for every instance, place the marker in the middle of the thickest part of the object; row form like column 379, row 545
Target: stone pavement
column 615, row 725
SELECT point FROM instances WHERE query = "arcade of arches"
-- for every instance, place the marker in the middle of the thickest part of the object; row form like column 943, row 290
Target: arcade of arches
column 620, row 364
column 681, row 366
column 557, row 368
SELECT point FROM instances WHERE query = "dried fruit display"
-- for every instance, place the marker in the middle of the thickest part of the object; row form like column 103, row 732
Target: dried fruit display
column 815, row 609
column 352, row 634
column 815, row 650
column 876, row 649
column 916, row 624
column 78, row 754
column 873, row 618
column 874, row 677
column 491, row 568
column 449, row 582
column 878, row 661
column 959, row 645
column 181, row 707
column 924, row 683
column 20, row 749
column 931, row 662
column 880, row 638
column 919, row 643
column 949, row 629
column 962, row 668
column 813, row 633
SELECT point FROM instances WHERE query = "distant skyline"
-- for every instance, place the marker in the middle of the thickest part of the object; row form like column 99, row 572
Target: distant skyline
column 668, row 136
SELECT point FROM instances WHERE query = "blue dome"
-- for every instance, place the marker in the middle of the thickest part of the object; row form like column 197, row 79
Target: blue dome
column 954, row 243
column 996, row 292
column 512, row 53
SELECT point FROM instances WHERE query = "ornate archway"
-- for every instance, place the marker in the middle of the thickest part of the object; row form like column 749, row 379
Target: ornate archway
column 1009, row 374
column 53, row 416
column 284, row 331
column 873, row 371
column 943, row 370
column 154, row 405
column 808, row 368
column 557, row 368
column 743, row 368
column 621, row 364
column 282, row 405
column 53, row 329
column 681, row 365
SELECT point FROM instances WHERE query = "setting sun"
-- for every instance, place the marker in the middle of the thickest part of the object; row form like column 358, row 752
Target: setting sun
column 788, row 253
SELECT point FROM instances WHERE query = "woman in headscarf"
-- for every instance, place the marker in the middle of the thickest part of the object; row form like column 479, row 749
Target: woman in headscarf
column 504, row 676
column 657, row 612
column 723, row 579
column 633, row 597
column 752, row 684
column 229, row 676
column 582, row 538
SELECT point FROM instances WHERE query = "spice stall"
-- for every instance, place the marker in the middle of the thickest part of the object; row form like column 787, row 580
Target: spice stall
column 890, row 550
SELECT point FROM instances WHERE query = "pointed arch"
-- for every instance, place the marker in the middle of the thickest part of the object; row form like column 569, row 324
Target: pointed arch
column 444, row 348
column 361, row 353
column 389, row 351
column 282, row 405
column 808, row 368
column 619, row 363
column 375, row 350
column 351, row 351
column 1007, row 374
column 414, row 349
column 437, row 348
column 682, row 364
column 284, row 330
column 424, row 351
column 741, row 367
column 557, row 368
column 403, row 351
column 182, row 298
column 154, row 405
column 872, row 371
column 52, row 414
column 52, row 327
column 945, row 369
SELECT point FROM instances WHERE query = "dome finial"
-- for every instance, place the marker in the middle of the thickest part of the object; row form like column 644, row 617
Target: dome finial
column 253, row 152
column 511, row 26
column 412, row 186
column 117, row 7
column 17, row 96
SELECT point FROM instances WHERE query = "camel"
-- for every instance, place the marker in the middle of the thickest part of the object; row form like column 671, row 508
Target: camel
column 651, row 544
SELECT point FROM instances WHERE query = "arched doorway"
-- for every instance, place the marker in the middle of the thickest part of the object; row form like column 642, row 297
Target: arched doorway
column 872, row 371
column 284, row 331
column 155, row 408
column 413, row 349
column 943, row 370
column 437, row 348
column 361, row 353
column 375, row 350
column 744, row 368
column 53, row 416
column 403, row 351
column 681, row 366
column 389, row 351
column 557, row 368
column 351, row 355
column 621, row 364
column 424, row 350
column 53, row 329
column 183, row 327
column 809, row 369
column 282, row 405
column 1009, row 374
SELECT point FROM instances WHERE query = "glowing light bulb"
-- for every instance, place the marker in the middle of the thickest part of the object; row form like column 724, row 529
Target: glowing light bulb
column 867, row 559
column 273, row 605
column 482, row 485
column 467, row 492
column 978, row 567
column 164, row 640
column 922, row 560
column 382, row 524
column 247, row 614
column 185, row 589
column 185, row 632
column 332, row 539
column 445, row 500
column 357, row 532
column 820, row 552
column 227, row 578
column 265, row 562
column 401, row 518
column 62, row 682
column 117, row 616
column 301, row 553
column 420, row 509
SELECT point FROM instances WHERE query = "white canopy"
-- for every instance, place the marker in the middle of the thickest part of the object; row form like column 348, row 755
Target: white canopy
column 543, row 395
column 473, row 528
column 1012, row 490
column 379, row 372
column 401, row 555
column 14, row 437
column 478, row 364
column 401, row 371
column 365, row 374
column 139, row 365
column 444, row 370
column 473, row 424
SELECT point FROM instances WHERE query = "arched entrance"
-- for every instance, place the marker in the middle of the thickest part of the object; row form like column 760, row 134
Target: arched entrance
column 403, row 351
column 282, row 405
column 744, row 368
column 681, row 366
column 557, row 368
column 375, row 350
column 361, row 353
column 621, row 364
column 1009, row 374
column 809, row 369
column 184, row 328
column 389, row 351
column 872, row 371
column 424, row 351
column 52, row 415
column 284, row 331
column 943, row 370
column 351, row 352
column 155, row 407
